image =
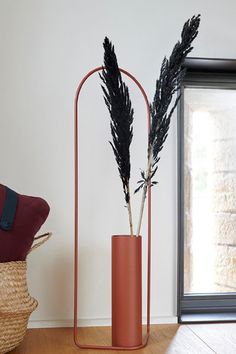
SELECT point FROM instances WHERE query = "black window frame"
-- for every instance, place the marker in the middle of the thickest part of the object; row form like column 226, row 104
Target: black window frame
column 199, row 308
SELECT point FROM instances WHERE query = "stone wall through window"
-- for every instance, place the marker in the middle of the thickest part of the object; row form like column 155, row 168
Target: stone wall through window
column 209, row 190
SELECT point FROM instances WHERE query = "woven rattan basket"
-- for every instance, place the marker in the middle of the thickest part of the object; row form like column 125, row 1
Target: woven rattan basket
column 16, row 305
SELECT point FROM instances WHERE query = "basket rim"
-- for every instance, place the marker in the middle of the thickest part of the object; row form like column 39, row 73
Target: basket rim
column 12, row 264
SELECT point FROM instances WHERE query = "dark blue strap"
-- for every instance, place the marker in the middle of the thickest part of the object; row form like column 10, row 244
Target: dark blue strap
column 9, row 210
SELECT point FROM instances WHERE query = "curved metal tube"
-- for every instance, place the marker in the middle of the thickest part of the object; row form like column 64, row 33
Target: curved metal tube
column 76, row 221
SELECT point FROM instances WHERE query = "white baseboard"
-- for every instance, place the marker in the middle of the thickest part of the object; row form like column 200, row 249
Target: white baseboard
column 96, row 322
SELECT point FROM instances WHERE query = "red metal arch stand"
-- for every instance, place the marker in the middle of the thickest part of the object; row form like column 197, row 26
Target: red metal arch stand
column 76, row 221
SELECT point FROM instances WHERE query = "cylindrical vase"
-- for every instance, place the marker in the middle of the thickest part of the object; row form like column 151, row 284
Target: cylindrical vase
column 126, row 291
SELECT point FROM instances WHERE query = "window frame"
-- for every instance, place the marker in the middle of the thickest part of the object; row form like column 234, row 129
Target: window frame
column 200, row 72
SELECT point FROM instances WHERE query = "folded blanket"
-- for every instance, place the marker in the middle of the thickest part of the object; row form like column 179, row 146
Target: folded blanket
column 29, row 215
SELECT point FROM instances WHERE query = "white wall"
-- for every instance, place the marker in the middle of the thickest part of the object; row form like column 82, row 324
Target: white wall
column 46, row 47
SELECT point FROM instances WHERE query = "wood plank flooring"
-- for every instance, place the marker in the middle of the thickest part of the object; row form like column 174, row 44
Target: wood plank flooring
column 164, row 339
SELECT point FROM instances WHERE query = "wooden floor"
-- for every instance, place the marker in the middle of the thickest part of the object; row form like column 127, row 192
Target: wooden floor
column 169, row 339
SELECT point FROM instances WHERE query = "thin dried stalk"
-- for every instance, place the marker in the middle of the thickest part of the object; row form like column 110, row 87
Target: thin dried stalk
column 130, row 215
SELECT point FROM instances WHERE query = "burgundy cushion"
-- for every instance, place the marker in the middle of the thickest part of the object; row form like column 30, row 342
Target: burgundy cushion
column 31, row 213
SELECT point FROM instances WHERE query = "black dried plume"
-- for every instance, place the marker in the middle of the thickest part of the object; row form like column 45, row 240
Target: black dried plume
column 116, row 96
column 167, row 85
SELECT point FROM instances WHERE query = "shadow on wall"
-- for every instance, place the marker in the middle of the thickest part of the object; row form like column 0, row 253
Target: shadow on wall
column 95, row 282
column 53, row 287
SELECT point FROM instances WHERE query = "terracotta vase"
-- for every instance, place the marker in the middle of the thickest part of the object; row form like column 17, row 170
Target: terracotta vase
column 126, row 291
